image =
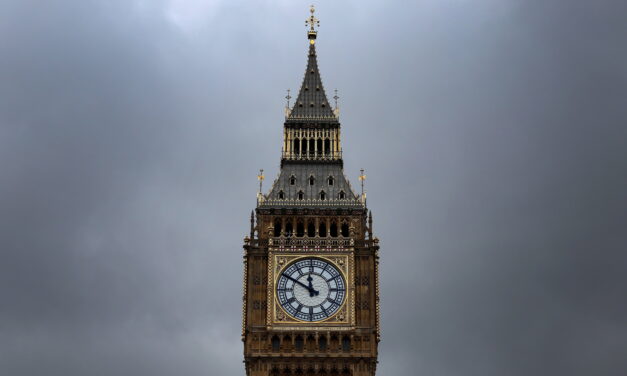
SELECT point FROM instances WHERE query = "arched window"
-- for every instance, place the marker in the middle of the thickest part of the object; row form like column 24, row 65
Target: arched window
column 311, row 229
column 331, row 180
column 288, row 229
column 333, row 229
column 312, row 180
column 281, row 195
column 322, row 343
column 277, row 227
column 304, row 147
column 296, row 146
column 276, row 343
column 301, row 195
column 312, row 145
column 327, row 146
column 300, row 229
column 299, row 343
column 346, row 343
column 322, row 231
column 323, row 196
column 342, row 195
column 319, row 145
column 292, row 180
column 344, row 229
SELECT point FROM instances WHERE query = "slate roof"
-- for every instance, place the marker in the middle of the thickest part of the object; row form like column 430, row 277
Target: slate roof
column 311, row 193
column 312, row 102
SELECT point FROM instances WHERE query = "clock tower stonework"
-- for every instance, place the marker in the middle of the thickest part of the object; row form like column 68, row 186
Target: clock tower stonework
column 311, row 284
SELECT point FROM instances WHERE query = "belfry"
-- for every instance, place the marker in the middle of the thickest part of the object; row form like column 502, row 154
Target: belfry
column 311, row 283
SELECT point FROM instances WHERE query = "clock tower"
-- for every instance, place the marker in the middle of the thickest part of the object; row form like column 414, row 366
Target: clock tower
column 311, row 284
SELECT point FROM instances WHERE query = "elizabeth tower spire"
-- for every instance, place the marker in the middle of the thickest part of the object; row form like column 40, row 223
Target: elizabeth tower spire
column 311, row 284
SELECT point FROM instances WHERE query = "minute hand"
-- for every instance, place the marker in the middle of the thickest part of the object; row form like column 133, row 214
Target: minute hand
column 299, row 282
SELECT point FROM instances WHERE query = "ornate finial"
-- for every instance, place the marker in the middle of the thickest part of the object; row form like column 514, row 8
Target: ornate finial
column 336, row 110
column 260, row 177
column 362, row 178
column 312, row 21
column 287, row 106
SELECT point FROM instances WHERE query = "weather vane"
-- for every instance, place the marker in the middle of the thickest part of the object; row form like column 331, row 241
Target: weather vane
column 312, row 21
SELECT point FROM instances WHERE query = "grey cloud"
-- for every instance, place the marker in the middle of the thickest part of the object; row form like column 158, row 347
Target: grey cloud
column 492, row 132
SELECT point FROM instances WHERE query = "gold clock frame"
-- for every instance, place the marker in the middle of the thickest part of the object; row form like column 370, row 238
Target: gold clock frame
column 279, row 319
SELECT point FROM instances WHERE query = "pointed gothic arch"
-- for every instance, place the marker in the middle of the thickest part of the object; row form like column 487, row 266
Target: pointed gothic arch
column 322, row 229
column 296, row 147
column 333, row 229
column 300, row 228
column 278, row 224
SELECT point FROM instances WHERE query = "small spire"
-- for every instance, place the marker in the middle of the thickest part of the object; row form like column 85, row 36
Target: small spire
column 362, row 178
column 287, row 107
column 336, row 110
column 252, row 224
column 260, row 177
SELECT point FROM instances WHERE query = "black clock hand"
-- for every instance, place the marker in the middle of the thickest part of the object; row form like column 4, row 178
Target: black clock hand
column 312, row 292
column 299, row 282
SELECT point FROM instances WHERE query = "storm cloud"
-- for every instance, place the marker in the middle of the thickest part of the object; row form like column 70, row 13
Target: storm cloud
column 493, row 134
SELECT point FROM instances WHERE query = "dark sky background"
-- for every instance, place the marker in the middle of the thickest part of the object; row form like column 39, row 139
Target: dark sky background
column 493, row 134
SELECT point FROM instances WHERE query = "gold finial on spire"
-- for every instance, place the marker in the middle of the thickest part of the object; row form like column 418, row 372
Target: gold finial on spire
column 260, row 177
column 312, row 22
column 287, row 107
column 362, row 178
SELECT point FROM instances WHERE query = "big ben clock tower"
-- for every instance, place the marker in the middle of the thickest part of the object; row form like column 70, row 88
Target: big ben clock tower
column 311, row 285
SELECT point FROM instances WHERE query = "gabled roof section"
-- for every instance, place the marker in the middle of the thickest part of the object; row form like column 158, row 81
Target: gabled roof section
column 312, row 101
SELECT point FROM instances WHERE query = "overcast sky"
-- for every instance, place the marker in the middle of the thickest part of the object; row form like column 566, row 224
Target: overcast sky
column 493, row 134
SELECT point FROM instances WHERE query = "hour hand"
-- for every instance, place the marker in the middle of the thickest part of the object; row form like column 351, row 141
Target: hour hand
column 312, row 292
column 299, row 282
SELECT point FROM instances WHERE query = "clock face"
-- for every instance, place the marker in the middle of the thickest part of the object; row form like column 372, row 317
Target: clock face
column 311, row 289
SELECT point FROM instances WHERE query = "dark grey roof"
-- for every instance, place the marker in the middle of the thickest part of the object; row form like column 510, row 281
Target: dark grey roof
column 311, row 193
column 312, row 102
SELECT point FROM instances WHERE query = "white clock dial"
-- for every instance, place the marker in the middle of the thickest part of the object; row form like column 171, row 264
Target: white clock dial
column 311, row 289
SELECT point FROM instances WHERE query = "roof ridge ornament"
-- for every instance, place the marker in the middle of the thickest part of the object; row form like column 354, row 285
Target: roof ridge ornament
column 312, row 22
